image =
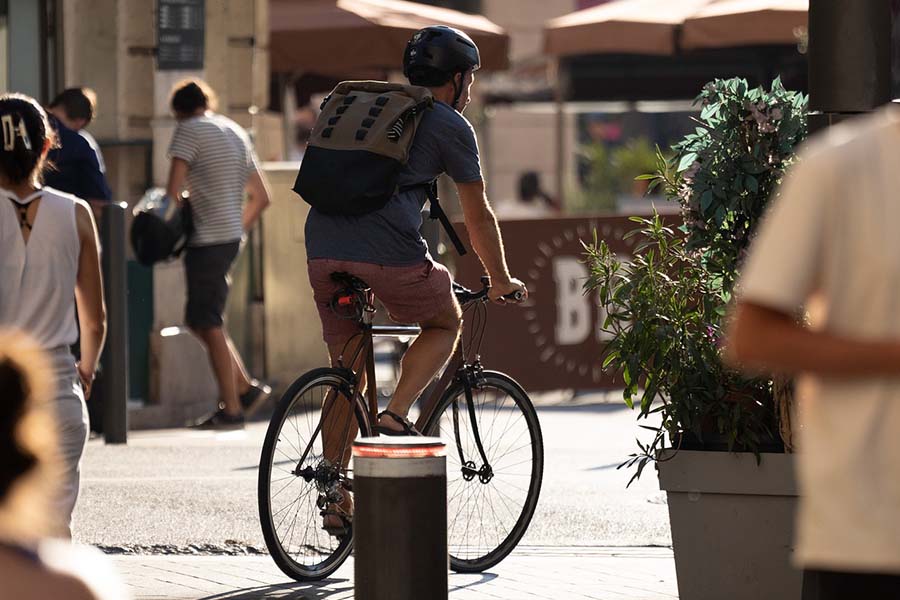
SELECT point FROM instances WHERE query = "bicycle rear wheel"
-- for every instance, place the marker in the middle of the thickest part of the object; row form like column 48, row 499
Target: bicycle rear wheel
column 489, row 504
column 302, row 474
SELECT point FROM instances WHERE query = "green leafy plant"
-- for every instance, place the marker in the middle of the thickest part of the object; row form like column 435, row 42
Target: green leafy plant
column 725, row 173
column 666, row 306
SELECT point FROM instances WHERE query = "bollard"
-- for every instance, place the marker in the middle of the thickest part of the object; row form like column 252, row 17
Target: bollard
column 400, row 518
column 115, row 354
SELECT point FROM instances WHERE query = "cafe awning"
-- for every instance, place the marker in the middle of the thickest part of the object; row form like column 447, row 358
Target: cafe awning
column 620, row 27
column 343, row 36
column 729, row 23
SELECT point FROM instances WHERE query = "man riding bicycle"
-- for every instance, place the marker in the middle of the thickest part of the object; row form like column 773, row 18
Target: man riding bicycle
column 385, row 249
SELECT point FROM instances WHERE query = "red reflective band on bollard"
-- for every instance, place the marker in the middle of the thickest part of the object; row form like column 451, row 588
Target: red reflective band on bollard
column 392, row 450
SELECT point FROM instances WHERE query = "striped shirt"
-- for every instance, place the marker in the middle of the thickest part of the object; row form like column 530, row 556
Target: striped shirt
column 220, row 158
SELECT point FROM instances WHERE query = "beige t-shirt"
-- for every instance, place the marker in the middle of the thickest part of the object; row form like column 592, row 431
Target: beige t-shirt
column 833, row 235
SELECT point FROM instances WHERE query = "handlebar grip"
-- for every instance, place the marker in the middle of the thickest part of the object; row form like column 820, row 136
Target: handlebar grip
column 516, row 296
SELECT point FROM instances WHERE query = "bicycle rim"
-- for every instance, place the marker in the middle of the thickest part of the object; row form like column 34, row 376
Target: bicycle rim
column 297, row 481
column 489, row 512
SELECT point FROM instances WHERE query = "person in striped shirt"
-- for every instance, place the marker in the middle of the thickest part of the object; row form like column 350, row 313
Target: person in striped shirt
column 212, row 157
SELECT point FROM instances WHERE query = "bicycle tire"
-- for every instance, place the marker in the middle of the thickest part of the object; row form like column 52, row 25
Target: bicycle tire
column 475, row 555
column 317, row 554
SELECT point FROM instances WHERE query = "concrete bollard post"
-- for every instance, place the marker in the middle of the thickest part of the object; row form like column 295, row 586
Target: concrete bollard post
column 400, row 518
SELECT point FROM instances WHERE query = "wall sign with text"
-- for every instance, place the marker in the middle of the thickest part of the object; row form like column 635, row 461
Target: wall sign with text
column 555, row 340
column 180, row 28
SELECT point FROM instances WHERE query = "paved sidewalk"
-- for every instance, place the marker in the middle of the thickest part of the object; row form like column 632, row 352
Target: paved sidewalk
column 530, row 573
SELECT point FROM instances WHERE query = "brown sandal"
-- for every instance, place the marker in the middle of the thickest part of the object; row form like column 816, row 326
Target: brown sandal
column 407, row 426
column 337, row 519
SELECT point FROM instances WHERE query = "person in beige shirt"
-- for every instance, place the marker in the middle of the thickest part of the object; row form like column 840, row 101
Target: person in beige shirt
column 830, row 241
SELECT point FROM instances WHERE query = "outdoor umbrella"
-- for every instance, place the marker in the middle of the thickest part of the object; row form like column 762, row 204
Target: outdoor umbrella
column 621, row 27
column 344, row 36
column 729, row 23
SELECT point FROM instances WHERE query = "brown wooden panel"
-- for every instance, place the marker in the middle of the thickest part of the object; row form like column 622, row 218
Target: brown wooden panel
column 554, row 340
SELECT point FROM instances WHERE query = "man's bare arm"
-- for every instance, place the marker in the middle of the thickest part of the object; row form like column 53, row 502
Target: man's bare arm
column 178, row 171
column 765, row 340
column 259, row 199
column 485, row 236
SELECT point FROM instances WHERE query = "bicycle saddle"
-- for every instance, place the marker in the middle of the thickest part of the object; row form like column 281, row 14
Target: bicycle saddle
column 350, row 281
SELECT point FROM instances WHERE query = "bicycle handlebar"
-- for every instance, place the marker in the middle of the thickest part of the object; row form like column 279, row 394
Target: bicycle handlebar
column 464, row 295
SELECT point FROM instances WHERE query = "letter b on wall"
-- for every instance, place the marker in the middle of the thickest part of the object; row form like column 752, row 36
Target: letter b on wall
column 573, row 309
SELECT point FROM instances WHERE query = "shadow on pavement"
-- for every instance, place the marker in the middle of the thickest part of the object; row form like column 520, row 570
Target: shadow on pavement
column 328, row 588
column 482, row 579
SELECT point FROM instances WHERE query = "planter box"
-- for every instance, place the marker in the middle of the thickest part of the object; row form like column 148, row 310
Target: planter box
column 732, row 524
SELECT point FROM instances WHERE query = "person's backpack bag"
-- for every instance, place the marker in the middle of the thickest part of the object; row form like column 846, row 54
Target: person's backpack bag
column 358, row 146
column 160, row 228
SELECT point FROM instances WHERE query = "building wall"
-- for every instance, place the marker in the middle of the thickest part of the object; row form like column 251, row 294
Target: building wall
column 109, row 47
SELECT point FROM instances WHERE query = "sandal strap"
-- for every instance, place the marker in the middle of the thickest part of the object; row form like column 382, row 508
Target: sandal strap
column 408, row 426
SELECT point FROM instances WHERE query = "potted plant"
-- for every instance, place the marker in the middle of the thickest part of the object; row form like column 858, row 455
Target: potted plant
column 731, row 512
column 629, row 161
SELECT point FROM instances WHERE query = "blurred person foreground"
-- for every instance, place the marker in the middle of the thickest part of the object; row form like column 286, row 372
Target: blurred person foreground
column 818, row 254
column 34, row 564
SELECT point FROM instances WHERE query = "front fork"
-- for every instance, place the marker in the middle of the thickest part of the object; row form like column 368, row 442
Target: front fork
column 471, row 376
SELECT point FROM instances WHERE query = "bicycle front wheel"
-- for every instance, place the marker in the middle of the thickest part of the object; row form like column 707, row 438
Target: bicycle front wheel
column 304, row 474
column 489, row 503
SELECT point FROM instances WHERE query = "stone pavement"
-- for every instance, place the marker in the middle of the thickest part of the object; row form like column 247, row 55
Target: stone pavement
column 530, row 573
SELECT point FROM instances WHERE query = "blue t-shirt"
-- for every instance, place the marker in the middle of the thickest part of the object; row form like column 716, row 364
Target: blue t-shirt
column 445, row 143
column 76, row 169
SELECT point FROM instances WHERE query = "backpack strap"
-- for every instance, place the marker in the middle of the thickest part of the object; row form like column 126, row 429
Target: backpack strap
column 436, row 212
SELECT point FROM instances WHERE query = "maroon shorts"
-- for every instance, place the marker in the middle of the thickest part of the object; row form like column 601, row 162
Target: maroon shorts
column 410, row 294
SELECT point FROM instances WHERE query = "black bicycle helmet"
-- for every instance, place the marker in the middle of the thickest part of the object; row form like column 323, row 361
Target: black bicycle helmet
column 443, row 50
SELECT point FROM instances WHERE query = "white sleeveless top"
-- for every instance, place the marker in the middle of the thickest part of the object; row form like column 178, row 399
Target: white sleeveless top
column 37, row 279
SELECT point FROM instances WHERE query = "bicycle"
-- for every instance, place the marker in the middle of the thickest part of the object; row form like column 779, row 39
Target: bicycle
column 495, row 455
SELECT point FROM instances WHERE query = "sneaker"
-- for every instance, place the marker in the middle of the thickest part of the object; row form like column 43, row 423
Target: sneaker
column 255, row 397
column 220, row 420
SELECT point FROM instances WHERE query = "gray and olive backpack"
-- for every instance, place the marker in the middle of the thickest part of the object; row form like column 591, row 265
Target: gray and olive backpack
column 359, row 145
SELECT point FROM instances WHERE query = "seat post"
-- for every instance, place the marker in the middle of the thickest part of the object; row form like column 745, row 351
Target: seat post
column 371, row 384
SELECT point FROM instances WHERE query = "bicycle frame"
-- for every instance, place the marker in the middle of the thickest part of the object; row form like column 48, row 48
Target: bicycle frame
column 457, row 368
column 427, row 402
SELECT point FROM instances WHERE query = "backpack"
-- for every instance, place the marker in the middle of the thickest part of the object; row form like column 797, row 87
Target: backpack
column 358, row 146
column 161, row 227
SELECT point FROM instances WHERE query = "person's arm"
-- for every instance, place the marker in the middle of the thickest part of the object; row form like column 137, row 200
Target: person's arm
column 259, row 199
column 89, row 296
column 94, row 188
column 486, row 241
column 178, row 172
column 766, row 340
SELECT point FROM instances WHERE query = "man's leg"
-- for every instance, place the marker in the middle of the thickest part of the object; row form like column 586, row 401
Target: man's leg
column 339, row 427
column 216, row 343
column 425, row 357
column 241, row 375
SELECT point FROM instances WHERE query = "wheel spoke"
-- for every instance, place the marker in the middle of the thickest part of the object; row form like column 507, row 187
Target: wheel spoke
column 486, row 520
column 290, row 502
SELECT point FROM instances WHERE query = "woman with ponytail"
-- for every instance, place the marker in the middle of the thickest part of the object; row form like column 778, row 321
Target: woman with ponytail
column 49, row 262
column 34, row 565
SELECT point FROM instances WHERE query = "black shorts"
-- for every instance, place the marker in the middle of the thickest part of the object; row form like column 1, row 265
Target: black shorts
column 206, row 270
